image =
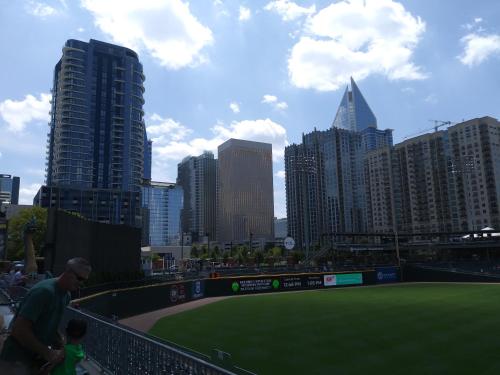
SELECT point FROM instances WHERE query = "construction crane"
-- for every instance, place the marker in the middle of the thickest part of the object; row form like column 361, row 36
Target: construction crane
column 437, row 125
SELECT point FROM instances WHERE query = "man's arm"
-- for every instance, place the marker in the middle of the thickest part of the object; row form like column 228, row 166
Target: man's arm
column 22, row 331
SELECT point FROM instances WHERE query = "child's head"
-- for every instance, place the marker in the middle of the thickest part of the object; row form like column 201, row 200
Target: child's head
column 76, row 329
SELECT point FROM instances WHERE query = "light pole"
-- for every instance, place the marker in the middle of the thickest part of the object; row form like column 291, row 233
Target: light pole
column 393, row 211
column 250, row 245
column 208, row 242
column 182, row 246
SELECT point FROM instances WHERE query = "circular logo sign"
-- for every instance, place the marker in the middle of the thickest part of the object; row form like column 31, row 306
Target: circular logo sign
column 235, row 286
column 276, row 284
column 289, row 243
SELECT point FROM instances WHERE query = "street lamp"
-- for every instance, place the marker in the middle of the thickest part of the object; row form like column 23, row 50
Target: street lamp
column 393, row 212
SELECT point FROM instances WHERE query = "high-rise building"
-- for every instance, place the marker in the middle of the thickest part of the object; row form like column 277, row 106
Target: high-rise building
column 9, row 189
column 197, row 175
column 280, row 228
column 438, row 182
column 474, row 150
column 245, row 191
column 97, row 134
column 163, row 201
column 325, row 174
column 354, row 113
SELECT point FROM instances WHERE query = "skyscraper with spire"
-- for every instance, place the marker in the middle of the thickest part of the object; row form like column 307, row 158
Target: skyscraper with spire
column 354, row 113
column 325, row 174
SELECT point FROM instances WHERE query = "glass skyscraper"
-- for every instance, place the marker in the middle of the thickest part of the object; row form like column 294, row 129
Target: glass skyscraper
column 354, row 113
column 9, row 188
column 325, row 174
column 164, row 202
column 97, row 140
column 198, row 177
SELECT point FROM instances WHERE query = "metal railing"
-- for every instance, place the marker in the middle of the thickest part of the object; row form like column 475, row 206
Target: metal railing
column 119, row 350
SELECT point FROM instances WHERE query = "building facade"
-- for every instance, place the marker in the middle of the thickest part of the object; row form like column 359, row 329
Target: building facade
column 325, row 174
column 97, row 139
column 246, row 202
column 197, row 175
column 353, row 112
column 163, row 202
column 9, row 189
column 280, row 228
column 446, row 181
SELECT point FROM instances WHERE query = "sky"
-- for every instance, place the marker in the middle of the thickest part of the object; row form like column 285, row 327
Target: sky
column 266, row 71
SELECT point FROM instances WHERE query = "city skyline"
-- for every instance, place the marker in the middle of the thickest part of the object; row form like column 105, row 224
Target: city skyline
column 251, row 83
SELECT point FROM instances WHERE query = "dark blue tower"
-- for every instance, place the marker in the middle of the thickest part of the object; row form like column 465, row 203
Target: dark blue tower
column 97, row 140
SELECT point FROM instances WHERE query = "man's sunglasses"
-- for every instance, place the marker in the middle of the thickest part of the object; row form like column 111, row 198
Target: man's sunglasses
column 78, row 277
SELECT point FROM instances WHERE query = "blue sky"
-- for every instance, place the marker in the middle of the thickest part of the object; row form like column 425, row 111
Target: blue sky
column 259, row 70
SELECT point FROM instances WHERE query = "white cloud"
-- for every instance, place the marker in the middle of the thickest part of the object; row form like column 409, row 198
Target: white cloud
column 288, row 10
column 273, row 101
column 280, row 174
column 168, row 151
column 166, row 129
column 80, row 30
column 26, row 194
column 17, row 114
column 220, row 9
column 478, row 20
column 0, row 154
column 356, row 38
column 39, row 9
column 477, row 48
column 269, row 99
column 408, row 90
column 234, row 107
column 245, row 13
column 166, row 29
column 281, row 105
column 431, row 99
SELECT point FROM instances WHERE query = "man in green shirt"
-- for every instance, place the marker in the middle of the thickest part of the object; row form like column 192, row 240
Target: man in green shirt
column 35, row 338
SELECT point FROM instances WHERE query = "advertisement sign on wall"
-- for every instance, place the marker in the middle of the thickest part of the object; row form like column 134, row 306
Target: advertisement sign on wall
column 349, row 278
column 387, row 274
column 330, row 280
column 177, row 293
column 255, row 285
column 197, row 289
column 343, row 279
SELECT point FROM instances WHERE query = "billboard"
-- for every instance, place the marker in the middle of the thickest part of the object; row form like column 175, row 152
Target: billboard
column 343, row 279
column 387, row 274
column 280, row 283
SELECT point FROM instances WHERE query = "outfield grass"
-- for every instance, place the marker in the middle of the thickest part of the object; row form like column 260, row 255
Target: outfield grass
column 397, row 329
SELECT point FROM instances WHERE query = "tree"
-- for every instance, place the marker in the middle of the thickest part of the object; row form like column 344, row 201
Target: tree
column 276, row 252
column 194, row 252
column 259, row 257
column 15, row 240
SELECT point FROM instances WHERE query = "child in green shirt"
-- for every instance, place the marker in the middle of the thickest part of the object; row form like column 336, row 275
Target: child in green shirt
column 73, row 352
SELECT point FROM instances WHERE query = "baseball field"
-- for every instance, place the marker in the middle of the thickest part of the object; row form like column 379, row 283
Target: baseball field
column 396, row 329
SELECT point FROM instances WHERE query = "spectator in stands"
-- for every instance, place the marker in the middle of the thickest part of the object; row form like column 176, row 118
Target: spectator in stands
column 73, row 351
column 35, row 339
column 19, row 278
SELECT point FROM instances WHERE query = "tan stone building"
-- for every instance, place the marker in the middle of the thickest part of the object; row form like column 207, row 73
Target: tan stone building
column 246, row 202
